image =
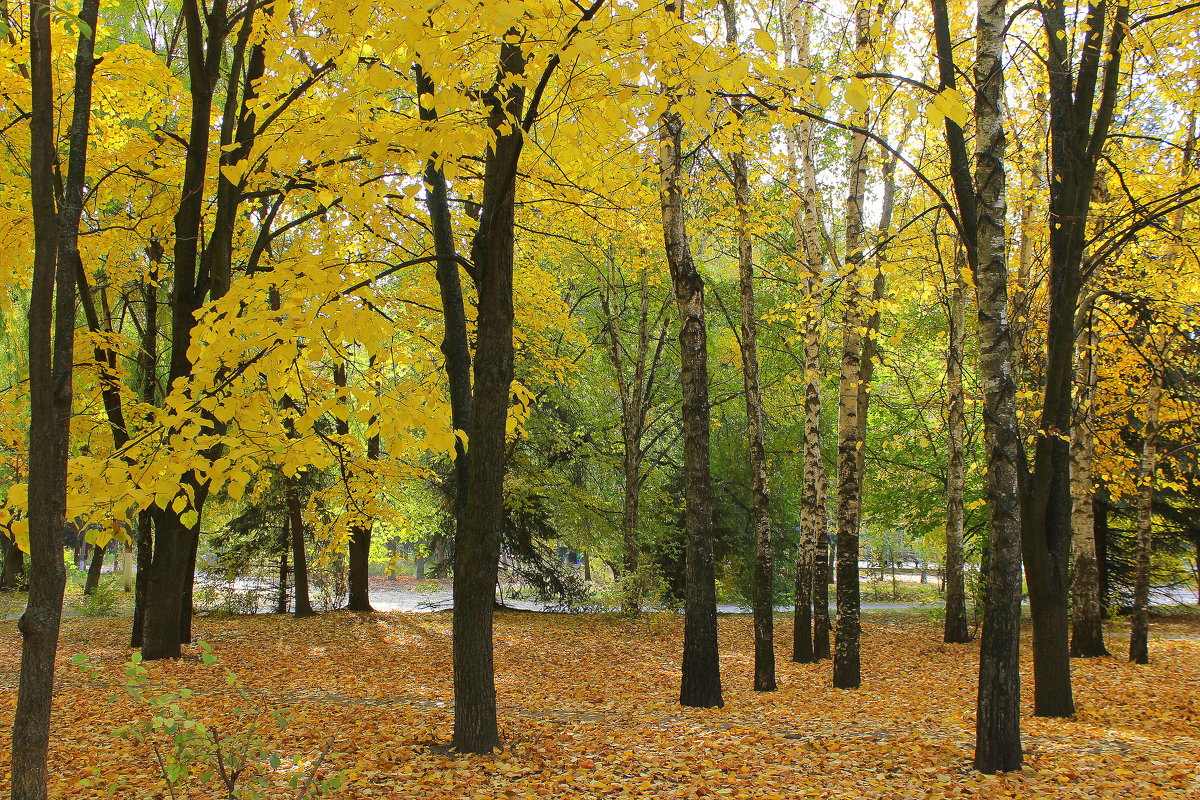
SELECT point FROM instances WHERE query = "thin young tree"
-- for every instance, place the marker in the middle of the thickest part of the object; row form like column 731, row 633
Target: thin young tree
column 760, row 512
column 51, row 362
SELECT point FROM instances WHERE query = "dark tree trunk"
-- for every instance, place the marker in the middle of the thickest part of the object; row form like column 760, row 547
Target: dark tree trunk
column 186, row 609
column 359, row 582
column 1139, row 624
column 701, row 679
column 13, row 574
column 161, row 631
column 173, row 537
column 477, row 544
column 51, row 359
column 141, row 581
column 456, row 347
column 92, row 582
column 299, row 557
column 281, row 599
column 1077, row 142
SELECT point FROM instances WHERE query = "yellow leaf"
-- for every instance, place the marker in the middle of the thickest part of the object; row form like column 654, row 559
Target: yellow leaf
column 764, row 42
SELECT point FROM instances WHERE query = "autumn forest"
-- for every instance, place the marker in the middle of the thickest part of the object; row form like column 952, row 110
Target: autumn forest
column 624, row 398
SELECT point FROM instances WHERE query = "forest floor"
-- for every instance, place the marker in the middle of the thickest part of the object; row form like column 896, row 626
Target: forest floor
column 588, row 708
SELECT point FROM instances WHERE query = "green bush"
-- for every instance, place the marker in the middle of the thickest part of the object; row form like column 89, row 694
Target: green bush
column 190, row 755
column 100, row 603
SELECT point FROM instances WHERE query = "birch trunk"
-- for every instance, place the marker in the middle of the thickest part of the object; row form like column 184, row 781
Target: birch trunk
column 1087, row 623
column 998, row 722
column 760, row 514
column 847, row 670
column 806, row 638
column 956, row 630
column 1139, row 629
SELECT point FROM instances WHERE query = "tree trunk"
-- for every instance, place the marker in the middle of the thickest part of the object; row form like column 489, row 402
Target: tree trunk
column 847, row 670
column 981, row 218
column 359, row 581
column 1087, row 621
column 998, row 720
column 299, row 557
column 95, row 567
column 141, row 581
column 631, row 595
column 1076, row 146
column 956, row 630
column 1139, row 628
column 760, row 514
column 701, row 678
column 13, row 573
column 477, row 546
column 51, row 359
column 811, row 583
column 456, row 347
column 285, row 543
column 821, row 623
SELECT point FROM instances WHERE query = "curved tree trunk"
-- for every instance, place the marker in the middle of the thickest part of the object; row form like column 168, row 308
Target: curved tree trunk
column 95, row 567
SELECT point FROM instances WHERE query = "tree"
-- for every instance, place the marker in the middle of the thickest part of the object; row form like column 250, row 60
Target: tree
column 981, row 220
column 760, row 512
column 955, row 629
column 51, row 361
column 701, row 678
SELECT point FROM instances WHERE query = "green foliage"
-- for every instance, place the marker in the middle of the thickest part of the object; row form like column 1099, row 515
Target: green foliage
column 191, row 754
column 100, row 603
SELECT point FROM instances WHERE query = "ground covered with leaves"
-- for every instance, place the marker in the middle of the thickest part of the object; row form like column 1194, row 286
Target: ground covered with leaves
column 588, row 709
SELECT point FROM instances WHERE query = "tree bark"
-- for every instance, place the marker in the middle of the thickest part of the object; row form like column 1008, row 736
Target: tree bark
column 1077, row 141
column 303, row 607
column 456, row 347
column 821, row 622
column 285, row 543
column 92, row 581
column 998, row 732
column 981, row 218
column 760, row 514
column 956, row 630
column 1087, row 619
column 847, row 670
column 359, row 550
column 701, row 669
column 477, row 546
column 1139, row 628
column 811, row 583
column 13, row 572
column 51, row 360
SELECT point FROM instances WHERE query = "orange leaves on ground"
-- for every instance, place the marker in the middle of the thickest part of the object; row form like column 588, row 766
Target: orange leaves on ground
column 588, row 709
